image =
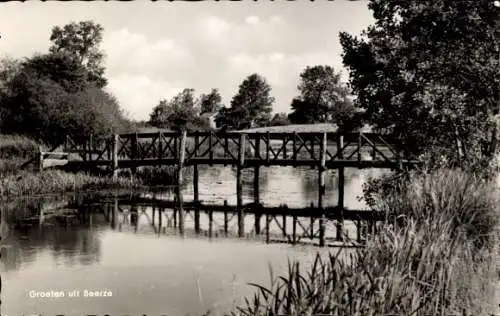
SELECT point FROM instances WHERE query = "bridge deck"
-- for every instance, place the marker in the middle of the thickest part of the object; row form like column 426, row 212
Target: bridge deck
column 327, row 150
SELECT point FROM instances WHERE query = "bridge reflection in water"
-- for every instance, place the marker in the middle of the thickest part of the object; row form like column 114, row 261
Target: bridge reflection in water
column 268, row 224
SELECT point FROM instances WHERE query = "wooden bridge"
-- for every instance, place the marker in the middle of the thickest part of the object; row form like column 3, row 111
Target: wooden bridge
column 332, row 150
column 322, row 151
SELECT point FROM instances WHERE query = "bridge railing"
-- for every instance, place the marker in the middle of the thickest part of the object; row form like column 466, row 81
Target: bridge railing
column 264, row 147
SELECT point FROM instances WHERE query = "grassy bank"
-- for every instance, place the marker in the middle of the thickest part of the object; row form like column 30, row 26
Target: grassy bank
column 15, row 150
column 436, row 255
column 52, row 181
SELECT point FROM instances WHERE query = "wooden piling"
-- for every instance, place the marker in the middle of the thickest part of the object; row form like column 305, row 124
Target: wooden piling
column 175, row 217
column 257, row 220
column 40, row 159
column 267, row 227
column 196, row 193
column 256, row 187
column 114, row 156
column 225, row 218
column 210, row 223
column 113, row 212
column 294, row 229
column 341, row 184
column 134, row 153
column 322, row 188
column 160, row 217
column 180, row 180
column 239, row 185
column 284, row 225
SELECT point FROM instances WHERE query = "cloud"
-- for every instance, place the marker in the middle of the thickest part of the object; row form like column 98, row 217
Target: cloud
column 214, row 28
column 250, row 34
column 133, row 53
column 139, row 94
column 278, row 68
column 252, row 20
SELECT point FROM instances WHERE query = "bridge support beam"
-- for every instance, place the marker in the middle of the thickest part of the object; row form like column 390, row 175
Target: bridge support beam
column 134, row 154
column 256, row 196
column 196, row 192
column 322, row 188
column 239, row 186
column 114, row 156
column 180, row 181
column 341, row 184
column 256, row 187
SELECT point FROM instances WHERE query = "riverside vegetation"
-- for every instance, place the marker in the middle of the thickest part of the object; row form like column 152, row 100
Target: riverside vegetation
column 15, row 150
column 435, row 255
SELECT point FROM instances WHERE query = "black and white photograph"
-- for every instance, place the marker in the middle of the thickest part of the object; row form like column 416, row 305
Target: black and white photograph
column 248, row 158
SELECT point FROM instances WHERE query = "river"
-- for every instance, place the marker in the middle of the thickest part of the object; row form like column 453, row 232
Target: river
column 141, row 272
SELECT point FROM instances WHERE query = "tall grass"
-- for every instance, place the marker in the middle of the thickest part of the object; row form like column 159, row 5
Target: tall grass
column 52, row 181
column 17, row 146
column 14, row 151
column 435, row 255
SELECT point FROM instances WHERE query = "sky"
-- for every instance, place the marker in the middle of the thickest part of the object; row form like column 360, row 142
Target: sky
column 156, row 49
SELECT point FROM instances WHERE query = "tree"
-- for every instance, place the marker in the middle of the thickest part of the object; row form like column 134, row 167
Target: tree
column 81, row 41
column 180, row 112
column 160, row 115
column 211, row 103
column 323, row 98
column 252, row 105
column 280, row 119
column 59, row 67
column 49, row 97
column 429, row 71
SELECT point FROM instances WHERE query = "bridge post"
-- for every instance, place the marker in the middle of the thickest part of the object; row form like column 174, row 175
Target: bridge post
column 256, row 189
column 321, row 188
column 239, row 185
column 267, row 227
column 134, row 153
column 341, row 182
column 196, row 192
column 114, row 154
column 114, row 212
column 180, row 169
column 210, row 223
column 226, row 220
column 40, row 159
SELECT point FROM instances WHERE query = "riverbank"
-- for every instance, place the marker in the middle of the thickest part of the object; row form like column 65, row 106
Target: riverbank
column 15, row 150
column 436, row 255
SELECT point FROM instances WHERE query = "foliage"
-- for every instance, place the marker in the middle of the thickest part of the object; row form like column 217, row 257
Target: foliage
column 429, row 70
column 323, row 98
column 81, row 41
column 211, row 103
column 251, row 106
column 49, row 98
column 429, row 264
column 280, row 119
column 180, row 112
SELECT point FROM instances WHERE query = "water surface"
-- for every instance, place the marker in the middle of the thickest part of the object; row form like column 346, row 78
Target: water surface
column 149, row 270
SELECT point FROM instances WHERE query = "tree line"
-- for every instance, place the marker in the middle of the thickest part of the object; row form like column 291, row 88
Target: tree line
column 323, row 99
column 427, row 71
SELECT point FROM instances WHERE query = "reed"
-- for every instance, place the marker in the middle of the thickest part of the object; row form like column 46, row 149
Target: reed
column 52, row 181
column 17, row 146
column 435, row 255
